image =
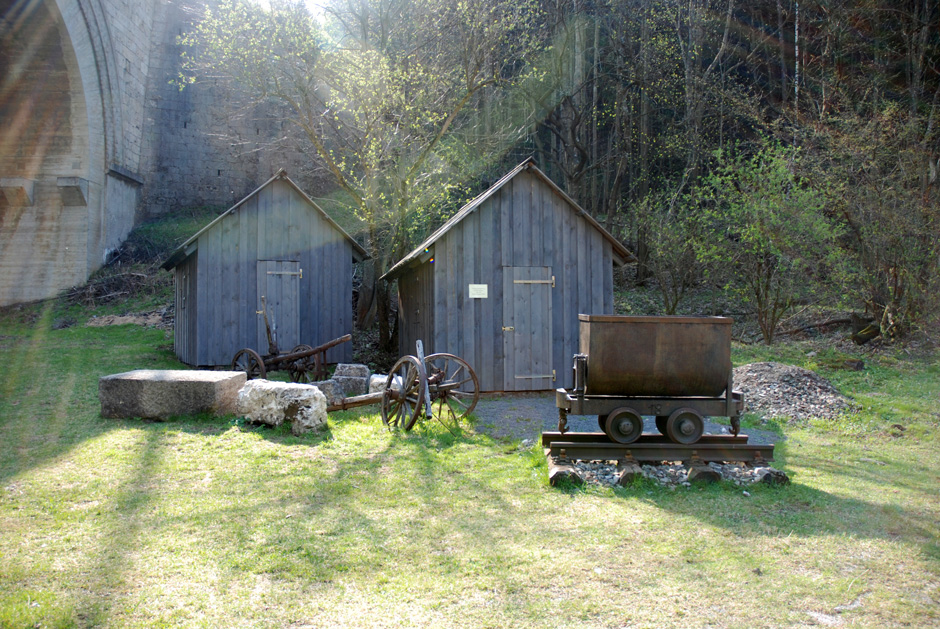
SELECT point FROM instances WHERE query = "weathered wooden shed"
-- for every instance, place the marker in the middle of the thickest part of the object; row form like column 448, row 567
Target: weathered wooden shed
column 502, row 282
column 278, row 244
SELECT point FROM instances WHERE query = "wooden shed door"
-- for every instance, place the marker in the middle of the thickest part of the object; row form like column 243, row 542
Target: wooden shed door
column 279, row 285
column 527, row 328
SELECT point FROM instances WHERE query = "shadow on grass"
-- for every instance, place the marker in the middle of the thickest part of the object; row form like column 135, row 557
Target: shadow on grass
column 114, row 557
column 49, row 386
column 802, row 509
column 368, row 512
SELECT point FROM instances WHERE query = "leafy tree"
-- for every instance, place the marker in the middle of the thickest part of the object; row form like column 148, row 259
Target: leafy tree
column 767, row 229
column 883, row 172
column 380, row 91
column 673, row 254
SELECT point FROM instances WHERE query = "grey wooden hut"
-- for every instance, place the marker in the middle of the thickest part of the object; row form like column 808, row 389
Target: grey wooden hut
column 276, row 243
column 502, row 282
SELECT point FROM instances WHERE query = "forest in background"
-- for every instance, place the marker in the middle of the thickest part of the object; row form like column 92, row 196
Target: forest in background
column 785, row 151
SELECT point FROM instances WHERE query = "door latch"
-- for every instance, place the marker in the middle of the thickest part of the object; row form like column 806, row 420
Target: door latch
column 509, row 329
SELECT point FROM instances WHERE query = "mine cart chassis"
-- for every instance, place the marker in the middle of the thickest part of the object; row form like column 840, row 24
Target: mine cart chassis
column 440, row 386
column 612, row 410
column 443, row 386
column 303, row 363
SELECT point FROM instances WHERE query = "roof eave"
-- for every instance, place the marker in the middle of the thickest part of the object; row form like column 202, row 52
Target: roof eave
column 182, row 252
column 621, row 255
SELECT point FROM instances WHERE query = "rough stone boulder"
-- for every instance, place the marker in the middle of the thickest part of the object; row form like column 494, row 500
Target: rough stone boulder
column 377, row 383
column 354, row 379
column 273, row 403
column 165, row 393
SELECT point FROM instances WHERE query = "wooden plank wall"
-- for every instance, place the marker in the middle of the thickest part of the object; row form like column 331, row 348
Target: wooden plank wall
column 277, row 223
column 523, row 224
column 416, row 316
column 185, row 315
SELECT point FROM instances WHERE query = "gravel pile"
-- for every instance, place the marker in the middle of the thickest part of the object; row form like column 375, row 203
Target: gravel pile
column 778, row 390
column 677, row 474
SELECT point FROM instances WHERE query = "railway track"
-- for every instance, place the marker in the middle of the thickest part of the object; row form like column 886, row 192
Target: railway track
column 563, row 449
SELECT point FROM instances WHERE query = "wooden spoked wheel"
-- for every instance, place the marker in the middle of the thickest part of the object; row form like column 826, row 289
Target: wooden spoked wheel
column 454, row 388
column 624, row 425
column 685, row 426
column 250, row 362
column 403, row 397
column 301, row 370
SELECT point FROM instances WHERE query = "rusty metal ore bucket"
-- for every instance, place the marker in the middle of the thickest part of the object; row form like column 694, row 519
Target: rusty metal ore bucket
column 656, row 356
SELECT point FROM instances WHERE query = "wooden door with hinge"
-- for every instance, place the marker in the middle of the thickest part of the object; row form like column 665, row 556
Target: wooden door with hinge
column 527, row 328
column 279, row 297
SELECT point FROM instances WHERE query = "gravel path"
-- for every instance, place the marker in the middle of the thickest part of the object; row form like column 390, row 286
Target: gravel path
column 526, row 415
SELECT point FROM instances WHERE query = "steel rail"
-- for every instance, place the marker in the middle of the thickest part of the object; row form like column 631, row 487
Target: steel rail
column 717, row 448
column 548, row 437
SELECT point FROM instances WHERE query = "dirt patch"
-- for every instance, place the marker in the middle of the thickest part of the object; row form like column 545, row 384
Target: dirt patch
column 155, row 319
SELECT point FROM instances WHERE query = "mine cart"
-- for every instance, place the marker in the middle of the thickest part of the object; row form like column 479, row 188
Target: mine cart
column 303, row 364
column 676, row 369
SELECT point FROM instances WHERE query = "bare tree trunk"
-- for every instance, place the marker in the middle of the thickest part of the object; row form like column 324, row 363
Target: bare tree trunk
column 383, row 311
column 796, row 61
column 781, row 48
column 643, row 189
column 365, row 304
column 594, row 134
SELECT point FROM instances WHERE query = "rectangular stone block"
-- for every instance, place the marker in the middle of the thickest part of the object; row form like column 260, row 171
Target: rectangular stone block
column 165, row 393
column 352, row 386
column 346, row 370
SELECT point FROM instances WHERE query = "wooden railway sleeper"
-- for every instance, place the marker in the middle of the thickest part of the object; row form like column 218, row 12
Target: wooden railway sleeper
column 628, row 469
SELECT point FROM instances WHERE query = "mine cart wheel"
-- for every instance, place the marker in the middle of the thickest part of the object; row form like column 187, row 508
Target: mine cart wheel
column 685, row 426
column 454, row 388
column 602, row 422
column 301, row 370
column 624, row 425
column 403, row 396
column 250, row 362
column 661, row 423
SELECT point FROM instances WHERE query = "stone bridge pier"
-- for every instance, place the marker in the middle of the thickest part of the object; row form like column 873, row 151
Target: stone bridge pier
column 94, row 137
column 72, row 78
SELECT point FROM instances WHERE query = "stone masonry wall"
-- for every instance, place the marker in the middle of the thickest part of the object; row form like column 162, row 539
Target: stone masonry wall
column 198, row 150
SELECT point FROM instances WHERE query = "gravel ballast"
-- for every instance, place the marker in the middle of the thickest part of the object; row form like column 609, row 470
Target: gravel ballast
column 779, row 390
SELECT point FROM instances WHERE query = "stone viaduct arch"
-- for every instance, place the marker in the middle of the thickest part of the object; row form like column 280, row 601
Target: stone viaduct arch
column 70, row 72
column 93, row 137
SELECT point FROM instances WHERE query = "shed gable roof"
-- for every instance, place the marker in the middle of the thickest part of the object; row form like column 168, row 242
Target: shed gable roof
column 189, row 247
column 621, row 253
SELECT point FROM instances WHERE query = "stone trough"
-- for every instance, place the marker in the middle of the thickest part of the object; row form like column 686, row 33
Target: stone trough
column 165, row 393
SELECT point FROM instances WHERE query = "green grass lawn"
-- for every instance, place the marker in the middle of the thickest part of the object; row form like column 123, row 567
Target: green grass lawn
column 208, row 522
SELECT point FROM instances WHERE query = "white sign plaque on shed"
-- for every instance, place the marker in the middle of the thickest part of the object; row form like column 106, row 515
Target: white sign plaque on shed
column 479, row 291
